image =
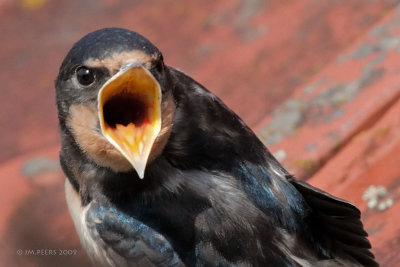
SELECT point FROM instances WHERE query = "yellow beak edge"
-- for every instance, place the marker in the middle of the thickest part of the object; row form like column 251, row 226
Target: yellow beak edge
column 129, row 110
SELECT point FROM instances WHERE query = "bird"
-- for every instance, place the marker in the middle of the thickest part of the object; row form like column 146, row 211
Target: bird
column 160, row 172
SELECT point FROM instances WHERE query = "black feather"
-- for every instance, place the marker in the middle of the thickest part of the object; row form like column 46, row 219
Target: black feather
column 338, row 221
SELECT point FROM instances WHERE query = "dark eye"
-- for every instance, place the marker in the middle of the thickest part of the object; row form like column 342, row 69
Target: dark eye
column 160, row 64
column 84, row 76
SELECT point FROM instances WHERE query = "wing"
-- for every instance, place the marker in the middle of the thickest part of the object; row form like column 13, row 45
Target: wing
column 124, row 241
column 338, row 221
column 228, row 145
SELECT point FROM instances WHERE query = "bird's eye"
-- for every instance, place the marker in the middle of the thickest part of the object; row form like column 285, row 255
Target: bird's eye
column 84, row 76
column 160, row 66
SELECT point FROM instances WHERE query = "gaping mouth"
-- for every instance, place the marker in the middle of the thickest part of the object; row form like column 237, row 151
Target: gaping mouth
column 125, row 109
column 129, row 113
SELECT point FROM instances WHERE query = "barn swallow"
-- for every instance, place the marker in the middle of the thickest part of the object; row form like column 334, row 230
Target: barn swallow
column 160, row 172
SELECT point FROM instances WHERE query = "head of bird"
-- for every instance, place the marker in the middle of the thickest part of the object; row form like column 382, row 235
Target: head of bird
column 113, row 99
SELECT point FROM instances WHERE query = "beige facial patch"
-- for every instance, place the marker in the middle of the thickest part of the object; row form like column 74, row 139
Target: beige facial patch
column 83, row 123
column 114, row 62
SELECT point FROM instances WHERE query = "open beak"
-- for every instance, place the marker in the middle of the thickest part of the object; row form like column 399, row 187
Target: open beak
column 129, row 106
